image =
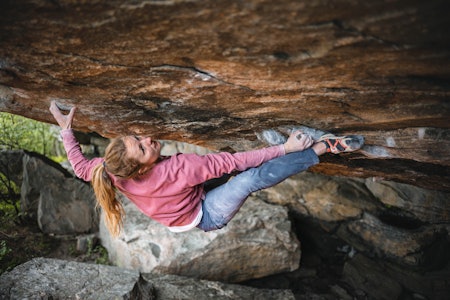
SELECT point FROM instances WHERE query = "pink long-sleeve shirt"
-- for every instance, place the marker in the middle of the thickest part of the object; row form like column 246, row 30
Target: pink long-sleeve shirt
column 171, row 192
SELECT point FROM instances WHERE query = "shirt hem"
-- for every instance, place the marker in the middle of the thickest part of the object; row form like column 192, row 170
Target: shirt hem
column 188, row 227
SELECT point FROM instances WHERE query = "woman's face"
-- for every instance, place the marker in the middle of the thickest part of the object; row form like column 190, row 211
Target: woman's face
column 143, row 149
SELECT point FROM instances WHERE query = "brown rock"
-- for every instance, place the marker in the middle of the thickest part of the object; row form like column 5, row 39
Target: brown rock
column 409, row 247
column 214, row 73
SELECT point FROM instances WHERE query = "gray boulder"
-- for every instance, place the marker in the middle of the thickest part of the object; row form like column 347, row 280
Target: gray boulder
column 426, row 206
column 403, row 223
column 61, row 203
column 43, row 278
column 173, row 287
column 325, row 198
column 256, row 243
column 426, row 247
column 11, row 165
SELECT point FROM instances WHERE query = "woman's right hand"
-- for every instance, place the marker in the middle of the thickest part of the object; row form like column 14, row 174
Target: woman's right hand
column 298, row 141
column 64, row 121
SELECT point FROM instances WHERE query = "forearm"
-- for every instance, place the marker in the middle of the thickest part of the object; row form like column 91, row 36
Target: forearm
column 80, row 164
column 195, row 169
column 254, row 158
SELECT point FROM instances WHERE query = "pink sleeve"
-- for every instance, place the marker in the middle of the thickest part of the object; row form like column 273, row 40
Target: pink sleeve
column 254, row 158
column 197, row 169
column 81, row 165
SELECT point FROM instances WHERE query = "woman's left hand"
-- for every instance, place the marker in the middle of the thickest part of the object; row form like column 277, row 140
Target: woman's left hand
column 298, row 141
column 64, row 121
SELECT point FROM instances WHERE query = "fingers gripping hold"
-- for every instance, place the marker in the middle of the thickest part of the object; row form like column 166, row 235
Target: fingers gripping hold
column 64, row 121
column 298, row 141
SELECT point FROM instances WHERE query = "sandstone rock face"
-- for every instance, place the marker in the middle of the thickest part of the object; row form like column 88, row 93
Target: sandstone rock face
column 216, row 73
column 256, row 243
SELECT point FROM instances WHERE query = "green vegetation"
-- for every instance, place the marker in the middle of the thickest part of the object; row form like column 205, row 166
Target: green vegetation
column 99, row 253
column 20, row 237
column 9, row 196
column 4, row 250
column 17, row 133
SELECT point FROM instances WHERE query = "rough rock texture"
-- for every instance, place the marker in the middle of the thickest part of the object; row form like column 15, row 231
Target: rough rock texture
column 217, row 72
column 60, row 203
column 394, row 237
column 43, row 278
column 57, row 279
column 260, row 233
column 184, row 288
column 361, row 239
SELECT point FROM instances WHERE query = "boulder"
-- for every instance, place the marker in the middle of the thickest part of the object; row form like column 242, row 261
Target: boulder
column 325, row 198
column 173, row 287
column 59, row 202
column 11, row 165
column 363, row 273
column 256, row 243
column 43, row 278
column 382, row 280
column 64, row 204
column 425, row 248
column 411, row 203
column 398, row 220
column 216, row 73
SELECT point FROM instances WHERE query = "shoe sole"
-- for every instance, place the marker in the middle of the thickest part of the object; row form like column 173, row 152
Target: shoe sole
column 356, row 141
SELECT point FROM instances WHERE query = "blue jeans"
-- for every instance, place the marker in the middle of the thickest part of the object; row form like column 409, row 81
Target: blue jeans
column 223, row 202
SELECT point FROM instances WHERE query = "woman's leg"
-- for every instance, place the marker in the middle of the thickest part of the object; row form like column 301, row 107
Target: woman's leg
column 222, row 203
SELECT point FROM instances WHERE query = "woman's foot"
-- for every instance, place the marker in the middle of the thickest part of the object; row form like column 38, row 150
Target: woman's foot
column 339, row 144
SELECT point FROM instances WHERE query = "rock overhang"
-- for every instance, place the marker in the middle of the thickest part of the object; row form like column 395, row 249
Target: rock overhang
column 215, row 74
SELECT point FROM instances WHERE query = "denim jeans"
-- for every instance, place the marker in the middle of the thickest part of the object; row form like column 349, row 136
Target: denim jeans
column 223, row 202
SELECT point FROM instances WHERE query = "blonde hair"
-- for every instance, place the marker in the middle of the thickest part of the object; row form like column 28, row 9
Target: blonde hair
column 119, row 164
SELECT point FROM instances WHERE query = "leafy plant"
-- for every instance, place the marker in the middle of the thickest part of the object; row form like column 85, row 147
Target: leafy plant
column 18, row 133
column 4, row 250
column 98, row 252
column 9, row 195
column 102, row 255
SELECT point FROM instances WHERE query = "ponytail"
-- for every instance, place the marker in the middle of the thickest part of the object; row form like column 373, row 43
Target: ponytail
column 106, row 199
column 120, row 165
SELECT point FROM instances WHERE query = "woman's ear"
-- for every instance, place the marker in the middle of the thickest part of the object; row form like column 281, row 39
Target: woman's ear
column 144, row 169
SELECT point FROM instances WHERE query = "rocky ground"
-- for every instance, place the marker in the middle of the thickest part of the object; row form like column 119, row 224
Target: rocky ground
column 380, row 239
column 22, row 241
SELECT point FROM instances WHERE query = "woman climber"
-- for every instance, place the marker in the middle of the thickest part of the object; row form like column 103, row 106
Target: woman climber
column 171, row 189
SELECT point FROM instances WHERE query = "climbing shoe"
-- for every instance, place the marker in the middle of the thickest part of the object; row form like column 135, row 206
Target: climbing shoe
column 339, row 144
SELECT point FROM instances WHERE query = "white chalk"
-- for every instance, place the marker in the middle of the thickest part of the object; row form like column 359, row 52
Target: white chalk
column 390, row 142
